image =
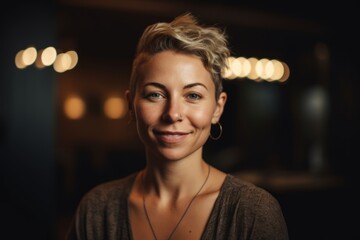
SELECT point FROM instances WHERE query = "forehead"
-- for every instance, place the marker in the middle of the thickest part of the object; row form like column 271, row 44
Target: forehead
column 170, row 66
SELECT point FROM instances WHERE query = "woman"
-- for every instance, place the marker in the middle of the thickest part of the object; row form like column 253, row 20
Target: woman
column 175, row 98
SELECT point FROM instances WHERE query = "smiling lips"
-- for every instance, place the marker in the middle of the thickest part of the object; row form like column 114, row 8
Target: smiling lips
column 170, row 137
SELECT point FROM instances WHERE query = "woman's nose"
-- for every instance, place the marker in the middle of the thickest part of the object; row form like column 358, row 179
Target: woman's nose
column 173, row 111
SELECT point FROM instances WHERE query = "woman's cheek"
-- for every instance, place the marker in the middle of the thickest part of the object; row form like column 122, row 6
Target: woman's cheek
column 201, row 118
column 143, row 111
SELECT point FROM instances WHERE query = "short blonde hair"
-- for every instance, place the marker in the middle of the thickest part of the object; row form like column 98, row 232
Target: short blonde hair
column 184, row 35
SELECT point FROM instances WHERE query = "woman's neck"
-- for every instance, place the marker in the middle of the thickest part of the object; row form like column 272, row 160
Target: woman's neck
column 174, row 180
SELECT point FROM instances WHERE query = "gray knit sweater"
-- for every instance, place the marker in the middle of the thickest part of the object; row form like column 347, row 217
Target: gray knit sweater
column 242, row 211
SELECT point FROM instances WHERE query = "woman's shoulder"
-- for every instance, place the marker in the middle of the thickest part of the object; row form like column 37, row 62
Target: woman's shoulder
column 238, row 189
column 233, row 182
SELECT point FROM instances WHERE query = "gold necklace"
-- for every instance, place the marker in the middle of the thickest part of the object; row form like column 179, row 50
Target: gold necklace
column 182, row 216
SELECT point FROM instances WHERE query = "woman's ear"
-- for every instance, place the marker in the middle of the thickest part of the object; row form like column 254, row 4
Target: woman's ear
column 129, row 100
column 220, row 104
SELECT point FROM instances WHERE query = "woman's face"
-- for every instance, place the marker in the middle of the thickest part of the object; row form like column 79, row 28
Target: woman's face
column 174, row 105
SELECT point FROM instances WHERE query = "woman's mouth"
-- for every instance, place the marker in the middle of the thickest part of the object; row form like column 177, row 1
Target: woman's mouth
column 170, row 137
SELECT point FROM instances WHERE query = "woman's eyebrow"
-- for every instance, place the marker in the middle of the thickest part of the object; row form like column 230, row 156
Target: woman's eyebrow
column 155, row 84
column 162, row 86
column 194, row 85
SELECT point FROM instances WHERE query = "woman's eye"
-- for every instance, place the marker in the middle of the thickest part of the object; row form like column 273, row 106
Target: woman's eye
column 193, row 96
column 154, row 96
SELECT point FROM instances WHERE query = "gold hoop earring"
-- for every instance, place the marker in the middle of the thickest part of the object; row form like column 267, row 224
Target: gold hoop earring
column 220, row 132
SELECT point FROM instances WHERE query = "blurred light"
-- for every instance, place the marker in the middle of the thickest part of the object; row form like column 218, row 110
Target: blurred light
column 114, row 107
column 253, row 74
column 29, row 56
column 269, row 70
column 48, row 56
column 74, row 107
column 286, row 74
column 74, row 59
column 246, row 66
column 255, row 69
column 316, row 103
column 278, row 70
column 261, row 69
column 19, row 60
column 62, row 63
column 314, row 107
column 236, row 67
column 229, row 73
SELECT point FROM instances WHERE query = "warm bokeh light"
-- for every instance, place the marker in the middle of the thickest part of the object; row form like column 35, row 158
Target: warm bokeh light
column 74, row 59
column 236, row 67
column 62, row 63
column 256, row 69
column 48, row 56
column 278, row 70
column 252, row 74
column 246, row 66
column 260, row 68
column 74, row 107
column 115, row 107
column 228, row 71
column 29, row 56
column 19, row 60
column 286, row 74
column 268, row 70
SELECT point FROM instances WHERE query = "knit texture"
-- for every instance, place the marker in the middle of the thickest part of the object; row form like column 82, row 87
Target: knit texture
column 242, row 211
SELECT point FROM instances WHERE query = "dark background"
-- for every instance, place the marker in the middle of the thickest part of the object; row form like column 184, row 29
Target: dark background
column 305, row 156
